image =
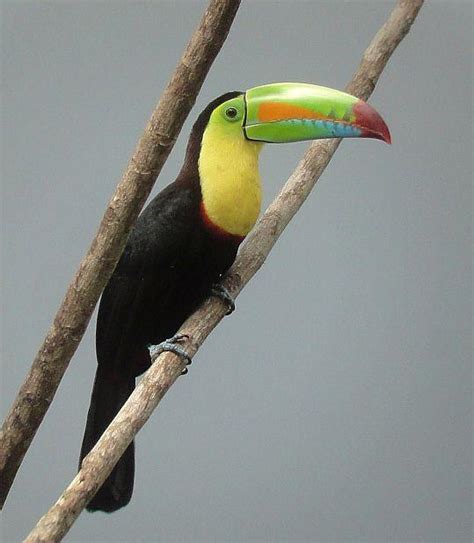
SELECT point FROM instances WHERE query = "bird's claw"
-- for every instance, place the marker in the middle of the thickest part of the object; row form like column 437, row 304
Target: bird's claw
column 172, row 346
column 221, row 292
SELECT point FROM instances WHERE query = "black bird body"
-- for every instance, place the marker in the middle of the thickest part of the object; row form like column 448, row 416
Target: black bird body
column 169, row 264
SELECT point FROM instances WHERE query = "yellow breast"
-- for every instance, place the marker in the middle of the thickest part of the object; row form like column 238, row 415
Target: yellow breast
column 230, row 182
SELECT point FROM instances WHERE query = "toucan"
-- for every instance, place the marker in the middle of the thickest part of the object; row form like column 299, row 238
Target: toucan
column 189, row 235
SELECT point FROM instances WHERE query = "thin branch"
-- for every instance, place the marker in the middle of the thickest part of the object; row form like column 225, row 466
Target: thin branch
column 72, row 318
column 167, row 367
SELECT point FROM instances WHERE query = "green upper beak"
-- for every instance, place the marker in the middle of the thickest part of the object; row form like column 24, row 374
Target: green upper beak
column 287, row 112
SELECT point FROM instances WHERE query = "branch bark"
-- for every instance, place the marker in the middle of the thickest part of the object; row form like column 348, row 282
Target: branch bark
column 167, row 367
column 72, row 318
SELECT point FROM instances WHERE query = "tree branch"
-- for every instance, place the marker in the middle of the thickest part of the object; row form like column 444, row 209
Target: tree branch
column 167, row 367
column 72, row 318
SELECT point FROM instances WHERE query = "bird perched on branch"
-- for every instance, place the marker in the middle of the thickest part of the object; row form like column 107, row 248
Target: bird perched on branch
column 188, row 236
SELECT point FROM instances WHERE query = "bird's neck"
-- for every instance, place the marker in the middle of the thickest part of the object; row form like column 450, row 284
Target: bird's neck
column 230, row 181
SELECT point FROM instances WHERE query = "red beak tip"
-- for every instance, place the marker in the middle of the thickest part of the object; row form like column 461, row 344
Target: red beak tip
column 372, row 122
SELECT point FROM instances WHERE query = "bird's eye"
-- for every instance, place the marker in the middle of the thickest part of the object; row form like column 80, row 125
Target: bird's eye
column 231, row 113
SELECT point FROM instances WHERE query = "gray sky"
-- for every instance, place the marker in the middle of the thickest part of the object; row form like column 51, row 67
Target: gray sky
column 335, row 404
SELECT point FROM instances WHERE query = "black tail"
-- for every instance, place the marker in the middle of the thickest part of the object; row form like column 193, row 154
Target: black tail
column 108, row 396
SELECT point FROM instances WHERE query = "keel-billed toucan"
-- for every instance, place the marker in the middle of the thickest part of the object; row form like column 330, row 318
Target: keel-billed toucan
column 188, row 236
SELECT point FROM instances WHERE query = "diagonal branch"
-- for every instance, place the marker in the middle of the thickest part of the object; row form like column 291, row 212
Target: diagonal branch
column 72, row 318
column 167, row 367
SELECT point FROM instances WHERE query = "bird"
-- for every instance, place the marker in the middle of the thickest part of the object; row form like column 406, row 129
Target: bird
column 189, row 235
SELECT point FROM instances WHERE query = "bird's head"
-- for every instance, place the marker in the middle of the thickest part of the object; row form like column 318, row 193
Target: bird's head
column 228, row 135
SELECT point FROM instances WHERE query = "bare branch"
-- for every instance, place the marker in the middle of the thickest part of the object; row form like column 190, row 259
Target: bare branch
column 167, row 367
column 72, row 318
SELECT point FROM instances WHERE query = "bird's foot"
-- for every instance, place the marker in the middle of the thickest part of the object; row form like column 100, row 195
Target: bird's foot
column 221, row 292
column 172, row 345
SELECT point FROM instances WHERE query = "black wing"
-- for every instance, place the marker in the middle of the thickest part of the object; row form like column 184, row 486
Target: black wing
column 135, row 306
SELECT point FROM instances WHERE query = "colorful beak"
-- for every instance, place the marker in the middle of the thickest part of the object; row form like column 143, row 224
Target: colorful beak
column 287, row 112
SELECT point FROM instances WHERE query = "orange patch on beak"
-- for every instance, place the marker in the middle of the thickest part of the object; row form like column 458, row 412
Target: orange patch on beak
column 275, row 111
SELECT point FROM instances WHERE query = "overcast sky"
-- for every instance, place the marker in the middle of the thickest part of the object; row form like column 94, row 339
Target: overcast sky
column 335, row 404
